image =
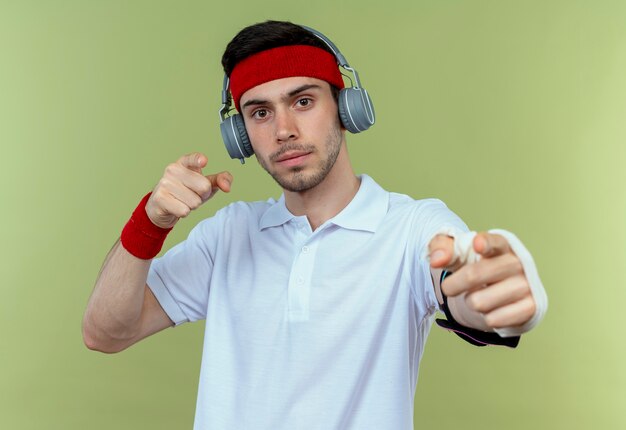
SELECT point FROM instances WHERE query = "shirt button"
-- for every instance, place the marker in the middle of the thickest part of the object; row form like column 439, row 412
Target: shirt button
column 300, row 280
column 305, row 249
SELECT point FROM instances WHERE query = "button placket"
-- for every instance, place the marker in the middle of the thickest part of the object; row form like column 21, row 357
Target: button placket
column 299, row 290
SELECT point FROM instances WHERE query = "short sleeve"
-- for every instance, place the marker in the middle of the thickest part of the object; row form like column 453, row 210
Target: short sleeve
column 180, row 279
column 430, row 216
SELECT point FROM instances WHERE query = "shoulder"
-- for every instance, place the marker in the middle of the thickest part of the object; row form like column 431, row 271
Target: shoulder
column 239, row 213
column 417, row 209
column 247, row 209
column 401, row 209
column 420, row 218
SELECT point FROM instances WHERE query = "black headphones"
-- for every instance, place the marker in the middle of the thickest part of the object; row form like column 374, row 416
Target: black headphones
column 356, row 111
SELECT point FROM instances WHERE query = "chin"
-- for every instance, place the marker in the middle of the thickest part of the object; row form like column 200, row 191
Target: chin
column 298, row 181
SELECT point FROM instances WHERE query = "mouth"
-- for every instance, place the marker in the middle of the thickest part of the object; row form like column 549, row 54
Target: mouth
column 293, row 158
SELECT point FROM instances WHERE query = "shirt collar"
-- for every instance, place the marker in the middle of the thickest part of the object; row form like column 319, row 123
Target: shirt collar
column 276, row 215
column 365, row 212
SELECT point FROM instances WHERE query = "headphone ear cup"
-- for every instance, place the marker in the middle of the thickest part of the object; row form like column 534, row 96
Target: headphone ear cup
column 235, row 137
column 243, row 134
column 356, row 110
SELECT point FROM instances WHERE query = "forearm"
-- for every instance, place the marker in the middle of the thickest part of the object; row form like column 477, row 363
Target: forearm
column 113, row 315
column 122, row 310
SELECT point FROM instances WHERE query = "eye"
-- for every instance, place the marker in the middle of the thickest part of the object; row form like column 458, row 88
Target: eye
column 304, row 102
column 259, row 114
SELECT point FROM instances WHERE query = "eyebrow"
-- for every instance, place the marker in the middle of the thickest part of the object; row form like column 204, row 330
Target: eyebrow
column 301, row 89
column 290, row 94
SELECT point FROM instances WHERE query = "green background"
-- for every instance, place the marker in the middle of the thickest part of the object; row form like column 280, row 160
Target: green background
column 512, row 112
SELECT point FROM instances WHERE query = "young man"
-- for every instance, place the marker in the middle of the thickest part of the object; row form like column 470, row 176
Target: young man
column 318, row 305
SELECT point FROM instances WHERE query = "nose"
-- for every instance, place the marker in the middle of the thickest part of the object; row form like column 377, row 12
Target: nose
column 286, row 126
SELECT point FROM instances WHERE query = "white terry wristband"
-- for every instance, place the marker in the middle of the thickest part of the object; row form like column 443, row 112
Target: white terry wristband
column 465, row 254
column 463, row 244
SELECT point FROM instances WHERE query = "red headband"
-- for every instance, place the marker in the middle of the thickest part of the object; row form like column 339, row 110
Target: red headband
column 283, row 62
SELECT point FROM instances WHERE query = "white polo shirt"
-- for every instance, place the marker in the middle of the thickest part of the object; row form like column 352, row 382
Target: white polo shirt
column 307, row 330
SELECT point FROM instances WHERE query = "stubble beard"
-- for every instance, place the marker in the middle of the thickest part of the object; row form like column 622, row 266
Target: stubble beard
column 296, row 180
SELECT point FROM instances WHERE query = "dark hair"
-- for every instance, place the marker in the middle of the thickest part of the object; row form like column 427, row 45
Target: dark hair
column 266, row 35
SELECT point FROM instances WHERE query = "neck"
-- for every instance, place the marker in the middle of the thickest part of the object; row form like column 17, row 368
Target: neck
column 329, row 197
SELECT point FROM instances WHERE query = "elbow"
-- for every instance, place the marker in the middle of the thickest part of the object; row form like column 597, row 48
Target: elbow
column 95, row 343
column 89, row 341
column 92, row 343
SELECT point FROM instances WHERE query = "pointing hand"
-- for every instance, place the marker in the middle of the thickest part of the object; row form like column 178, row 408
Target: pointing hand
column 495, row 286
column 184, row 188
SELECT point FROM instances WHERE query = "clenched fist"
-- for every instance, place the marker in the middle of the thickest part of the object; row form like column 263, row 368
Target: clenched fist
column 184, row 188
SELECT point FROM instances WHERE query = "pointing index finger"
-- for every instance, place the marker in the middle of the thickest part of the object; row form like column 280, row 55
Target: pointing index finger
column 194, row 161
column 491, row 245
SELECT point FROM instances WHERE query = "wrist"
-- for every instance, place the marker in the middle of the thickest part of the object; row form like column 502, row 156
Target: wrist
column 140, row 236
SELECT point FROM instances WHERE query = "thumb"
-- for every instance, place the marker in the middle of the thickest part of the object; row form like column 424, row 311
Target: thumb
column 222, row 180
column 441, row 252
column 219, row 181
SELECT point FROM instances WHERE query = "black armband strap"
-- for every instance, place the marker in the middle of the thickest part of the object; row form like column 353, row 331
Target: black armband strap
column 471, row 335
